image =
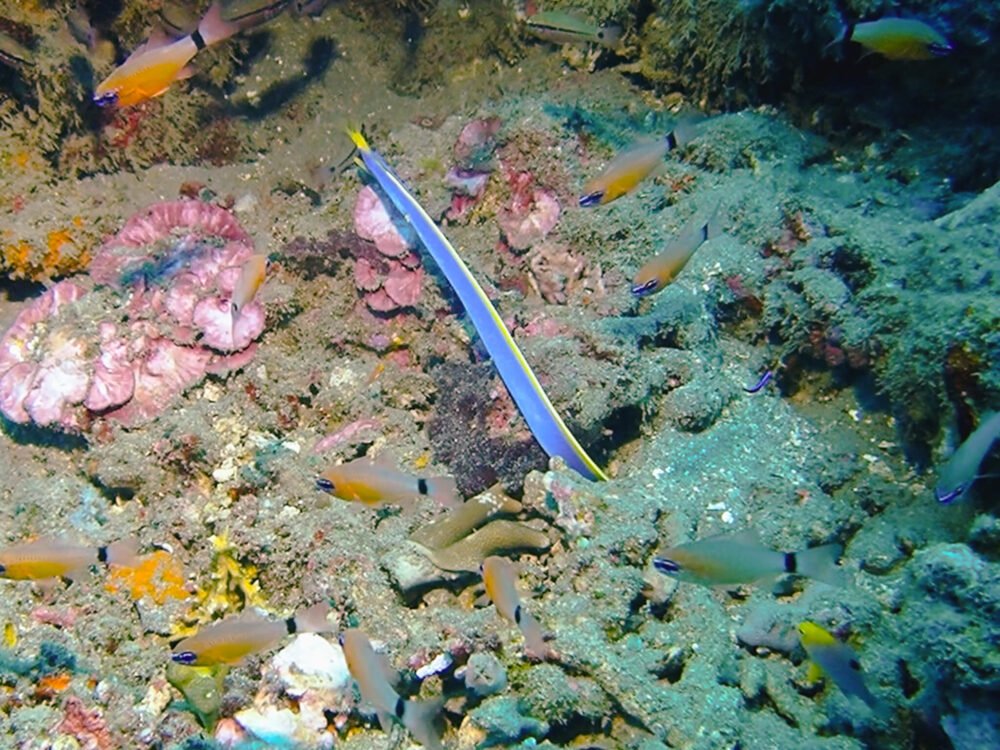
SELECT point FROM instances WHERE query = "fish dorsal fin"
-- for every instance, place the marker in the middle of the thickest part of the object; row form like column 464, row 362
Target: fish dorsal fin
column 745, row 536
column 386, row 459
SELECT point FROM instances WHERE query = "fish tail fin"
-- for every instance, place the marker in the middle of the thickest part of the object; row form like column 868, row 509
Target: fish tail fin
column 444, row 491
column 534, row 639
column 213, row 28
column 820, row 564
column 420, row 719
column 123, row 552
column 313, row 619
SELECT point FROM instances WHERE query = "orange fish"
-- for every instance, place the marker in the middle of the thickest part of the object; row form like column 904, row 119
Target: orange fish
column 232, row 639
column 500, row 580
column 154, row 66
column 48, row 558
column 374, row 482
column 250, row 280
column 632, row 166
column 661, row 269
column 368, row 670
column 897, row 38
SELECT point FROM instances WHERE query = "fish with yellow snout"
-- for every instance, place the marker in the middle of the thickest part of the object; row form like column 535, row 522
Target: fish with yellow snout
column 835, row 659
column 896, row 38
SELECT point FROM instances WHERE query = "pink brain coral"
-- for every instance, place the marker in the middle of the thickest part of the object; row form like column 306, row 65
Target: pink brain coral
column 157, row 320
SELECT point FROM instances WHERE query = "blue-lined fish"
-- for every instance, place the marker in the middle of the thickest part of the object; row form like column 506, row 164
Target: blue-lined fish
column 664, row 267
column 374, row 482
column 962, row 469
column 731, row 559
column 232, row 639
column 153, row 67
column 500, row 580
column 836, row 659
column 49, row 557
column 566, row 27
column 368, row 670
column 627, row 170
column 897, row 38
column 542, row 418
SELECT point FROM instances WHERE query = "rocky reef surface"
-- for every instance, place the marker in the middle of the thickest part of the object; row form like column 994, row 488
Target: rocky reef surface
column 858, row 267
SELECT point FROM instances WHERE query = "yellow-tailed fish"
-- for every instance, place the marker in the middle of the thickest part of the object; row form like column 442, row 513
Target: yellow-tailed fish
column 897, row 38
column 731, row 559
column 500, row 580
column 368, row 670
column 962, row 469
column 248, row 283
column 154, row 66
column 374, row 482
column 632, row 166
column 665, row 266
column 234, row 638
column 49, row 558
column 835, row 659
column 545, row 424
column 565, row 27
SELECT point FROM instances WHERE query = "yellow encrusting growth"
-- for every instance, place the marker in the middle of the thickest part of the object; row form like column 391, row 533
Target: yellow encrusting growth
column 158, row 576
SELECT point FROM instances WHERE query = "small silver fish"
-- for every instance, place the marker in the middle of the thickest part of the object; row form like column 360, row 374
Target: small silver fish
column 962, row 468
column 731, row 559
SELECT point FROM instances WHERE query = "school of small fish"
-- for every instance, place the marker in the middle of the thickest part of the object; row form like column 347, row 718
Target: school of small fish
column 719, row 561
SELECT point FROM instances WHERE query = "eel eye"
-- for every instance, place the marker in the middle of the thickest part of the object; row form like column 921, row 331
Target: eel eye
column 184, row 657
column 665, row 566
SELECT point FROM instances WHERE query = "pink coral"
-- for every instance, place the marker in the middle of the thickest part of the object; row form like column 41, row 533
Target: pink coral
column 531, row 214
column 157, row 321
column 393, row 278
column 372, row 221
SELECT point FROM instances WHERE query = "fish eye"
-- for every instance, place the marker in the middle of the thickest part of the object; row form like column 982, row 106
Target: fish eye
column 106, row 100
column 855, row 665
column 340, row 639
column 665, row 566
column 641, row 290
column 947, row 497
column 591, row 199
column 184, row 657
column 3, row 569
column 481, row 568
column 322, row 483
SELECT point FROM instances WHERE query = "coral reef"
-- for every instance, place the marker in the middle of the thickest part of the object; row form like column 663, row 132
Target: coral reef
column 157, row 321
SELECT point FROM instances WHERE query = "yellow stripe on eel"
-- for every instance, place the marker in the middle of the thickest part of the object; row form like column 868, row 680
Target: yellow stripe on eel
column 542, row 418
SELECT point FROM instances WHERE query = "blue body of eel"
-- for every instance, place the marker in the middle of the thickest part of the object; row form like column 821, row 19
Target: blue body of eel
column 546, row 425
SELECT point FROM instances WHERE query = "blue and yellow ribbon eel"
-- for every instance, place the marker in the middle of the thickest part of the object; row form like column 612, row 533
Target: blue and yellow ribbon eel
column 545, row 424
